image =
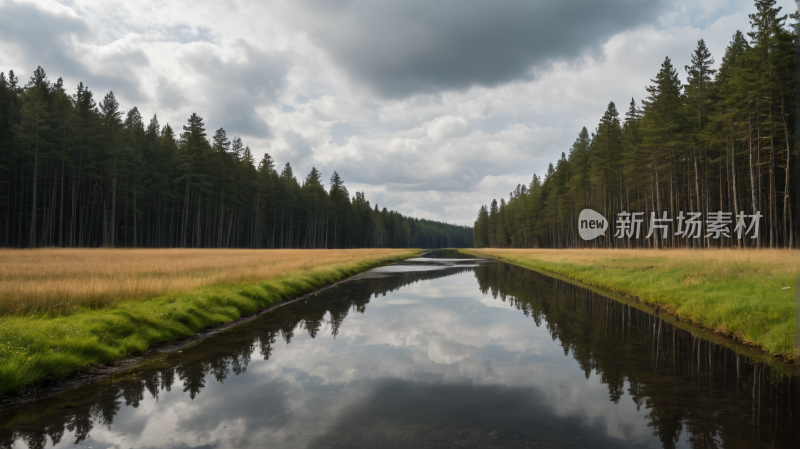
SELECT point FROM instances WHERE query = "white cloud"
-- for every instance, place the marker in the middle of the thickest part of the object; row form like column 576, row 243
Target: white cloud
column 260, row 70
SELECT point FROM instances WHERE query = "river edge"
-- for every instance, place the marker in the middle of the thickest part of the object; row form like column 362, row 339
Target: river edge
column 131, row 363
column 243, row 354
column 284, row 290
column 752, row 350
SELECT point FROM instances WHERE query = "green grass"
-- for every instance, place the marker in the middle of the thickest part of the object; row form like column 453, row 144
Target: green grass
column 729, row 292
column 40, row 348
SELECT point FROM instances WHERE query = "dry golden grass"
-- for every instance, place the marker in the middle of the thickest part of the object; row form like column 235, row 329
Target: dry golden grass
column 781, row 259
column 53, row 280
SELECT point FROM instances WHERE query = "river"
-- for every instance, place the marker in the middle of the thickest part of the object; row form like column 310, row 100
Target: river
column 433, row 352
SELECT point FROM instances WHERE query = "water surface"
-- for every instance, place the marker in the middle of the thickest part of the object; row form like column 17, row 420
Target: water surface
column 450, row 353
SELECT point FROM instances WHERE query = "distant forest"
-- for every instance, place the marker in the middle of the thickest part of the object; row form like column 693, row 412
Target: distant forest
column 724, row 141
column 74, row 173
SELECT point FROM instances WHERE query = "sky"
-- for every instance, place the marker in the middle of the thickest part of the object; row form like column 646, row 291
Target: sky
column 431, row 108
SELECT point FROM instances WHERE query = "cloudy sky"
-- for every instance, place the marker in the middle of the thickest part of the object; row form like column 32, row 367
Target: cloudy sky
column 431, row 108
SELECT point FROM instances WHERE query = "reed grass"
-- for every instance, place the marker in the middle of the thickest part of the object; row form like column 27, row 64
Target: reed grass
column 65, row 280
column 748, row 295
column 94, row 306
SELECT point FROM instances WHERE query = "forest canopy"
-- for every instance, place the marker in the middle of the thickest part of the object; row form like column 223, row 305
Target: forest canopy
column 719, row 148
column 78, row 173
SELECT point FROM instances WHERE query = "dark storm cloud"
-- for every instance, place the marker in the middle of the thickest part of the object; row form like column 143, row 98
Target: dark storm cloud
column 236, row 86
column 45, row 38
column 402, row 47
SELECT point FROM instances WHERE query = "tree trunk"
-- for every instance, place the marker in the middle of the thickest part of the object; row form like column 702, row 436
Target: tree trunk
column 73, row 224
column 51, row 225
column 759, row 243
column 274, row 222
column 185, row 220
column 721, row 190
column 113, row 230
column 199, row 209
column 658, row 210
column 221, row 211
column 672, row 194
column 230, row 228
column 650, row 207
column 697, row 190
column 256, row 239
column 35, row 191
column 773, row 218
column 788, row 232
column 754, row 203
column 61, row 210
column 628, row 208
column 796, row 140
column 705, row 187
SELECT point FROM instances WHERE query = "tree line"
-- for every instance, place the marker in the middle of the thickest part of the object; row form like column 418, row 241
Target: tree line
column 75, row 173
column 718, row 151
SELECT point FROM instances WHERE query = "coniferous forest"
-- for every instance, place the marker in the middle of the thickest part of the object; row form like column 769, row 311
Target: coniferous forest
column 723, row 141
column 78, row 173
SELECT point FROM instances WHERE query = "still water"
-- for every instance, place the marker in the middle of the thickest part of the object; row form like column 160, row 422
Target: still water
column 433, row 353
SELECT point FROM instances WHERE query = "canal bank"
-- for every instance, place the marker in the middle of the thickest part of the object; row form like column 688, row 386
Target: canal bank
column 744, row 295
column 44, row 348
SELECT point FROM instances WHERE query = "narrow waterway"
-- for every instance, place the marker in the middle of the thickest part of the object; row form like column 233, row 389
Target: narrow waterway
column 436, row 352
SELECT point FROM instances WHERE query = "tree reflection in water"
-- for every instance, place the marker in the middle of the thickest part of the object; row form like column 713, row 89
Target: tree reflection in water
column 709, row 391
column 34, row 424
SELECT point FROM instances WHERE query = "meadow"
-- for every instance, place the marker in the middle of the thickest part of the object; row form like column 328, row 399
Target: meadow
column 748, row 295
column 65, row 280
column 66, row 310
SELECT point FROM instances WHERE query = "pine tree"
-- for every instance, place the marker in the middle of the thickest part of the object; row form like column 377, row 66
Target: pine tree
column 493, row 225
column 134, row 135
column 699, row 83
column 767, row 54
column 606, row 159
column 662, row 130
column 718, row 143
column 32, row 133
column 634, row 159
column 481, row 229
column 341, row 202
column 110, row 117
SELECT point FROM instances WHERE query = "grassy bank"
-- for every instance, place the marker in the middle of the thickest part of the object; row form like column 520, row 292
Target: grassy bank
column 738, row 293
column 84, row 307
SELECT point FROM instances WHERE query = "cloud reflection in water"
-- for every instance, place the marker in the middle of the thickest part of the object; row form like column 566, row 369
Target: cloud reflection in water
column 415, row 358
